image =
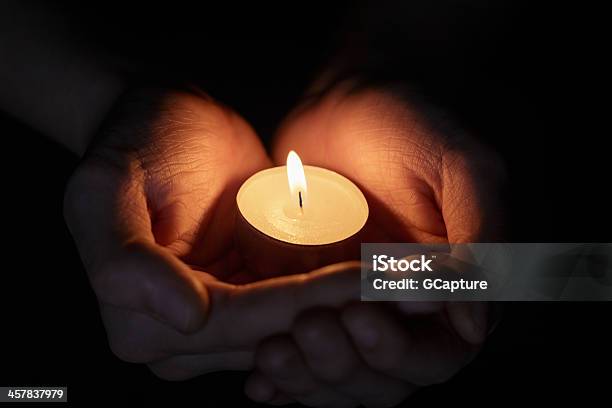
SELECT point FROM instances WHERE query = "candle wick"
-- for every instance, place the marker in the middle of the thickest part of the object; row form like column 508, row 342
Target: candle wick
column 300, row 195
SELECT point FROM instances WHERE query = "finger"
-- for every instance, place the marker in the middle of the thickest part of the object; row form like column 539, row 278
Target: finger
column 279, row 360
column 111, row 226
column 241, row 316
column 270, row 306
column 331, row 357
column 138, row 338
column 422, row 353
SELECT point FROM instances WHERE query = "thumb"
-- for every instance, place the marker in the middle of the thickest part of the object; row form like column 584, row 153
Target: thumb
column 146, row 278
column 107, row 215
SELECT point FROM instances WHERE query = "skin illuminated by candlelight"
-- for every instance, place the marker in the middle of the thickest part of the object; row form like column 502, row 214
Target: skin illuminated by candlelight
column 426, row 181
column 150, row 295
column 149, row 207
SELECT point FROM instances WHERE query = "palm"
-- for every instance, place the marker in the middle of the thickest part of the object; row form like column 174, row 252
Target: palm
column 195, row 218
column 176, row 154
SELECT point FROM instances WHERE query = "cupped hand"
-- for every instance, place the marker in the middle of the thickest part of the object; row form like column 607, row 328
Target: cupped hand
column 152, row 202
column 426, row 181
column 151, row 209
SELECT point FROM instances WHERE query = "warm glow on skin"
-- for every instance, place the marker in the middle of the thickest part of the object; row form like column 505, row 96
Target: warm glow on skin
column 157, row 243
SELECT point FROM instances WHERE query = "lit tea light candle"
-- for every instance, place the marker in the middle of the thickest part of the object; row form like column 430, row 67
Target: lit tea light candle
column 307, row 216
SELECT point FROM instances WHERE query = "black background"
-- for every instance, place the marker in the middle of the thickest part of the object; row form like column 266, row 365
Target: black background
column 522, row 76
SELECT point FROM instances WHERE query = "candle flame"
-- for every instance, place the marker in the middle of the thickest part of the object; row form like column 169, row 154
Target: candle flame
column 297, row 179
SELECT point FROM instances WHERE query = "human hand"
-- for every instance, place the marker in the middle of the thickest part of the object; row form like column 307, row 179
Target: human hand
column 425, row 182
column 425, row 179
column 359, row 355
column 151, row 211
column 152, row 202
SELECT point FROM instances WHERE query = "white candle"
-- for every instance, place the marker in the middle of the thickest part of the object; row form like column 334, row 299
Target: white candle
column 302, row 205
column 296, row 218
